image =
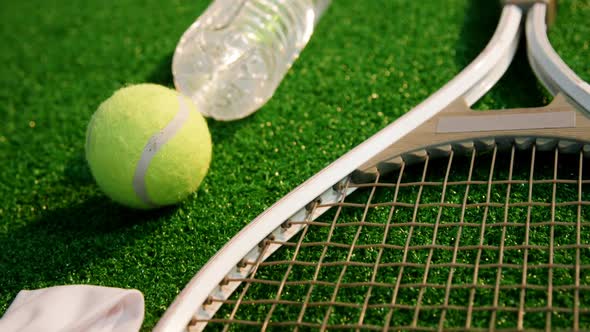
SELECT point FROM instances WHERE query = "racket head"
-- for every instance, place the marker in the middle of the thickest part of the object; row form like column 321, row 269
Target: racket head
column 411, row 250
column 476, row 229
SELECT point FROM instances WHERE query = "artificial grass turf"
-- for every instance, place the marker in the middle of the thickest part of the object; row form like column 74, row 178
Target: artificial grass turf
column 367, row 63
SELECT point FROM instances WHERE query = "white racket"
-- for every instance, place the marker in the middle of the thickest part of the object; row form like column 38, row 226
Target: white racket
column 461, row 220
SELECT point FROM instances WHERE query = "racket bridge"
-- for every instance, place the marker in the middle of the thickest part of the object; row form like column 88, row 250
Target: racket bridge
column 460, row 130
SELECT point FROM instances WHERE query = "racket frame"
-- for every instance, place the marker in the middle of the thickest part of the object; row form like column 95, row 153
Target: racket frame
column 326, row 186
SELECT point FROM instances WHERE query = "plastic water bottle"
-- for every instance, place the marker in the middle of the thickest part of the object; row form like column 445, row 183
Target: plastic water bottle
column 232, row 59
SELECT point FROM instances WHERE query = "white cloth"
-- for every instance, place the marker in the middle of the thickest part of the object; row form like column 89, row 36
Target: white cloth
column 75, row 308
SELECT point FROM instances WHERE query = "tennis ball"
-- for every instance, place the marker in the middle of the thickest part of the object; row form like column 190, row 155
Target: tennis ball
column 147, row 146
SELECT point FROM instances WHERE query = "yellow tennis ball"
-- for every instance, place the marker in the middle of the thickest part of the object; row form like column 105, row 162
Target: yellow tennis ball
column 147, row 146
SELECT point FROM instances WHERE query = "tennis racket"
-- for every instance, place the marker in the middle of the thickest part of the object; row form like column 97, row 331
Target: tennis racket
column 447, row 219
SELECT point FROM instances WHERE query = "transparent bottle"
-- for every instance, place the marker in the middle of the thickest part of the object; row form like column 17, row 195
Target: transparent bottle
column 232, row 59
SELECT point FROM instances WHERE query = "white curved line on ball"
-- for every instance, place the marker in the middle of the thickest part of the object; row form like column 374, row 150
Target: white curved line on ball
column 152, row 147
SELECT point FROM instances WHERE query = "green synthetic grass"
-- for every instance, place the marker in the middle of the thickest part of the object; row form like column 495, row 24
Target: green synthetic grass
column 368, row 63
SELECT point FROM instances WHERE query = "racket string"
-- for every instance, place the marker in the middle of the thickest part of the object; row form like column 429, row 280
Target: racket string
column 457, row 241
column 578, row 243
column 348, row 258
column 488, row 240
column 307, row 303
column 289, row 267
column 494, row 313
column 433, row 243
column 522, row 298
column 548, row 315
column 381, row 250
column 469, row 314
column 396, row 289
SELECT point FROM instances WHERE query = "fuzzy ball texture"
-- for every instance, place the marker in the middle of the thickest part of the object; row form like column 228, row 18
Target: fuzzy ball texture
column 147, row 146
